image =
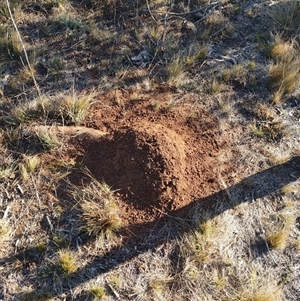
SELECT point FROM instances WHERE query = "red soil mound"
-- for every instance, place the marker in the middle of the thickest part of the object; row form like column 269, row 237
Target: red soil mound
column 158, row 161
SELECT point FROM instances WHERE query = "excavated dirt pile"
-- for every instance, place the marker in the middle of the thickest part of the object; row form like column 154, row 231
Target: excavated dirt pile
column 147, row 163
column 157, row 162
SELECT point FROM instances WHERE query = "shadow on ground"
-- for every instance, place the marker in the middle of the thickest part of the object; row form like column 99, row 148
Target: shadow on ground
column 182, row 221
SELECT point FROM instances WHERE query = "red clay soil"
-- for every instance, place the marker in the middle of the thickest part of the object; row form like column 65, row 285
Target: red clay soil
column 158, row 160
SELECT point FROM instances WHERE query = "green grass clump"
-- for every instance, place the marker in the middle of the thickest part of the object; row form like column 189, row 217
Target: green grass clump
column 28, row 166
column 269, row 130
column 48, row 140
column 67, row 262
column 98, row 292
column 4, row 230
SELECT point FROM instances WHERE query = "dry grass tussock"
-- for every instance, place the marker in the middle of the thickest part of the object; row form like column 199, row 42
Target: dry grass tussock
column 284, row 75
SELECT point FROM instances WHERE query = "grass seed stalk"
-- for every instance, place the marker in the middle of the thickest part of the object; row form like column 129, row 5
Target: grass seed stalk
column 30, row 69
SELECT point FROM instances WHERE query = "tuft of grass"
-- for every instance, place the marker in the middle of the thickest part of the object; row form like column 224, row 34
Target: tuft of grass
column 97, row 34
column 73, row 107
column 238, row 73
column 26, row 73
column 48, row 140
column 265, row 112
column 207, row 228
column 158, row 284
column 201, row 243
column 67, row 262
column 284, row 74
column 4, row 230
column 251, row 65
column 182, row 62
column 56, row 65
column 277, row 240
column 27, row 112
column 201, row 248
column 98, row 207
column 264, row 294
column 175, row 69
column 215, row 24
column 98, row 292
column 277, row 97
column 269, row 130
column 116, row 282
column 16, row 9
column 197, row 54
column 6, row 172
column 70, row 22
column 155, row 32
column 220, row 280
column 66, row 16
column 23, row 172
column 4, row 11
column 279, row 48
column 288, row 189
column 100, row 219
column 286, row 16
column 59, row 241
column 280, row 225
column 31, row 163
column 11, row 47
column 41, row 247
column 284, row 71
column 215, row 86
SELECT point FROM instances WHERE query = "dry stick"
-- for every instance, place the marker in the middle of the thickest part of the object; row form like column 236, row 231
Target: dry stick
column 206, row 16
column 218, row 31
column 24, row 49
column 214, row 4
column 150, row 12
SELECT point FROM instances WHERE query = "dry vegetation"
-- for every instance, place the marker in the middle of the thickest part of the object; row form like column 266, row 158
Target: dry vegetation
column 61, row 233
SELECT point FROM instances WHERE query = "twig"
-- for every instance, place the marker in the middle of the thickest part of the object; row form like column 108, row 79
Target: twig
column 116, row 294
column 6, row 212
column 207, row 15
column 218, row 31
column 187, row 13
column 49, row 223
column 36, row 192
column 150, row 12
column 24, row 49
column 215, row 4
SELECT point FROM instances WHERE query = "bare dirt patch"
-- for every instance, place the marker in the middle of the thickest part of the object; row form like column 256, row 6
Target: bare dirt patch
column 159, row 160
